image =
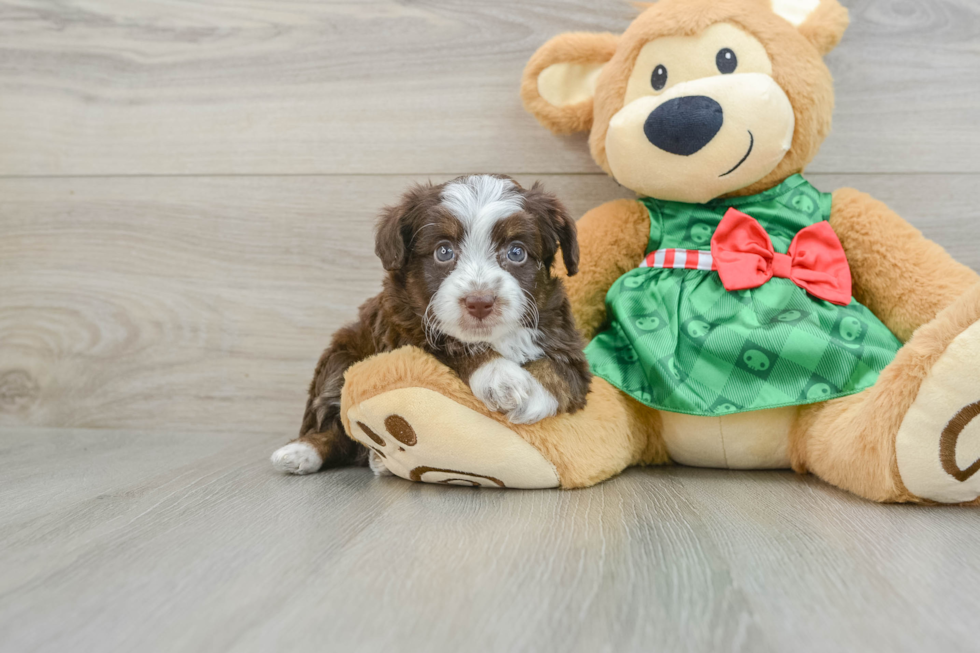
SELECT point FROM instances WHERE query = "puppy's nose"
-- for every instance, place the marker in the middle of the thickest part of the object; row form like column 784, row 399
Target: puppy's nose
column 479, row 306
column 684, row 125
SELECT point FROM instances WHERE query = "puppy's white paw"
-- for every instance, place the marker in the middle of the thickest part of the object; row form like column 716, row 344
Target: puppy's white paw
column 377, row 464
column 504, row 386
column 539, row 405
column 297, row 458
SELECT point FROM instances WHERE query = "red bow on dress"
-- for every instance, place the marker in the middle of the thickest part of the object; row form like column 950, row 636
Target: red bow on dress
column 744, row 257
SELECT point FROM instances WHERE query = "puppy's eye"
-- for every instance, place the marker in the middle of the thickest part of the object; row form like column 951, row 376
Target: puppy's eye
column 726, row 61
column 659, row 78
column 444, row 252
column 516, row 254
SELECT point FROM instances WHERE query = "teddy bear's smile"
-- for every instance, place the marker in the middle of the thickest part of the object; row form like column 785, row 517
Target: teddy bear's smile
column 738, row 127
column 739, row 164
column 691, row 104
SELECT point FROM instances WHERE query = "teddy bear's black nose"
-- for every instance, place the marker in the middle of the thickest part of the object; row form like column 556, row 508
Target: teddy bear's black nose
column 684, row 125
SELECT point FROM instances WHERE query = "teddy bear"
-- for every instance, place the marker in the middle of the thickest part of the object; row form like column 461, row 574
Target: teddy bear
column 737, row 317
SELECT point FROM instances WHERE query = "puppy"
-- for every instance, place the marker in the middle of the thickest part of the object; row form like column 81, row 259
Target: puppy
column 470, row 281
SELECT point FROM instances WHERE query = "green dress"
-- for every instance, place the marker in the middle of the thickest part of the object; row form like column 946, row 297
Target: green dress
column 678, row 341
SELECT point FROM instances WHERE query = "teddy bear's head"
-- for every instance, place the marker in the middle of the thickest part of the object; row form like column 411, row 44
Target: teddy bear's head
column 698, row 99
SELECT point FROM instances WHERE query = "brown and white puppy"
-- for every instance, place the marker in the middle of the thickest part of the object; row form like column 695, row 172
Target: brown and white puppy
column 469, row 280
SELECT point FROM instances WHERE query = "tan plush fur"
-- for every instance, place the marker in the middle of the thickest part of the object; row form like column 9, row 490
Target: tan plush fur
column 923, row 295
column 576, row 48
column 612, row 239
column 610, row 434
column 850, row 441
column 797, row 68
column 883, row 251
column 825, row 27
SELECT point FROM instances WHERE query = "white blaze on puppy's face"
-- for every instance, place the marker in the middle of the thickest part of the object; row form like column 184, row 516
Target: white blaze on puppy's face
column 479, row 202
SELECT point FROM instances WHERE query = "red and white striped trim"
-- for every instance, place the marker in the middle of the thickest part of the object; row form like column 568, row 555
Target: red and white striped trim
column 679, row 259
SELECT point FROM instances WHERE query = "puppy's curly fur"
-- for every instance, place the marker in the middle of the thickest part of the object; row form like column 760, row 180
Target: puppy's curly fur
column 549, row 347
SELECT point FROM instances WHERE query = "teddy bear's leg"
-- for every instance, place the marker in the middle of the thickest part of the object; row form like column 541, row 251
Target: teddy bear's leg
column 914, row 435
column 426, row 425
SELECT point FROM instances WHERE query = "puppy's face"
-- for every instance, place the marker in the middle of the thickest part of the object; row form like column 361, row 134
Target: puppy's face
column 473, row 255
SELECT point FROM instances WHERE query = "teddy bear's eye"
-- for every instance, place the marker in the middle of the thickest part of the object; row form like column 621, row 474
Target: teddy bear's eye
column 726, row 61
column 659, row 78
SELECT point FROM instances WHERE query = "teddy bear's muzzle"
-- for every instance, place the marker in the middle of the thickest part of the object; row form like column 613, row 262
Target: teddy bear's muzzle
column 701, row 139
column 684, row 125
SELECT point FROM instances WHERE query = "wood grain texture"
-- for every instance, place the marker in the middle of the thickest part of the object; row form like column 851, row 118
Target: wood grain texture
column 380, row 86
column 203, row 304
column 187, row 196
column 200, row 304
column 134, row 541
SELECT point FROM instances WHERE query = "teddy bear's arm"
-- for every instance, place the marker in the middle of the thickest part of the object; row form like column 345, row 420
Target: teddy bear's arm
column 612, row 241
column 901, row 276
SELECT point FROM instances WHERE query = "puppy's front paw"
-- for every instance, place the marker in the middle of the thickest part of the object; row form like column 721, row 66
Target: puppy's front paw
column 297, row 458
column 377, row 464
column 539, row 405
column 506, row 387
column 502, row 385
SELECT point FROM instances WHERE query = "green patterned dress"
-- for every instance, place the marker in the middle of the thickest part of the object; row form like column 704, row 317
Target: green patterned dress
column 678, row 341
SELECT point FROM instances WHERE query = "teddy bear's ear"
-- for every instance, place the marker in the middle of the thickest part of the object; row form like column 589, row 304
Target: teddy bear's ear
column 559, row 80
column 821, row 22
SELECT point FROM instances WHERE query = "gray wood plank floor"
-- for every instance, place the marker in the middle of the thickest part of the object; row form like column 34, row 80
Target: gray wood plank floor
column 288, row 86
column 183, row 299
column 187, row 191
column 157, row 541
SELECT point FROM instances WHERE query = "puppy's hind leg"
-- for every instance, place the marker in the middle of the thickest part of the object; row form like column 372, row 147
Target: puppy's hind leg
column 323, row 443
column 377, row 464
column 297, row 457
column 315, row 451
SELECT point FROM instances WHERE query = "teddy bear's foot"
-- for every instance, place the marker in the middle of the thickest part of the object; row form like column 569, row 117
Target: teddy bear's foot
column 424, row 424
column 938, row 444
column 915, row 435
column 421, row 435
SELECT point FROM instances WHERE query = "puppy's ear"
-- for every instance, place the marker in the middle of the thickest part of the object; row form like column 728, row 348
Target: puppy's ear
column 556, row 226
column 388, row 243
column 396, row 226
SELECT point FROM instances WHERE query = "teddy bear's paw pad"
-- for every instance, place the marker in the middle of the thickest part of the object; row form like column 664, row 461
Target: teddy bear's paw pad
column 421, row 435
column 938, row 444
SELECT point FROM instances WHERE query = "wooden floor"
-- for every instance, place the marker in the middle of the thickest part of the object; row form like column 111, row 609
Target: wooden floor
column 155, row 541
column 187, row 191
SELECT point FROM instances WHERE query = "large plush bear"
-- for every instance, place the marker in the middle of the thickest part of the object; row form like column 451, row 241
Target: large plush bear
column 738, row 317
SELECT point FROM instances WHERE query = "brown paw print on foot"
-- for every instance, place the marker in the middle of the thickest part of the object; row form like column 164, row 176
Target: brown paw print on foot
column 423, row 436
column 398, row 428
column 454, row 477
column 949, row 440
column 938, row 444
